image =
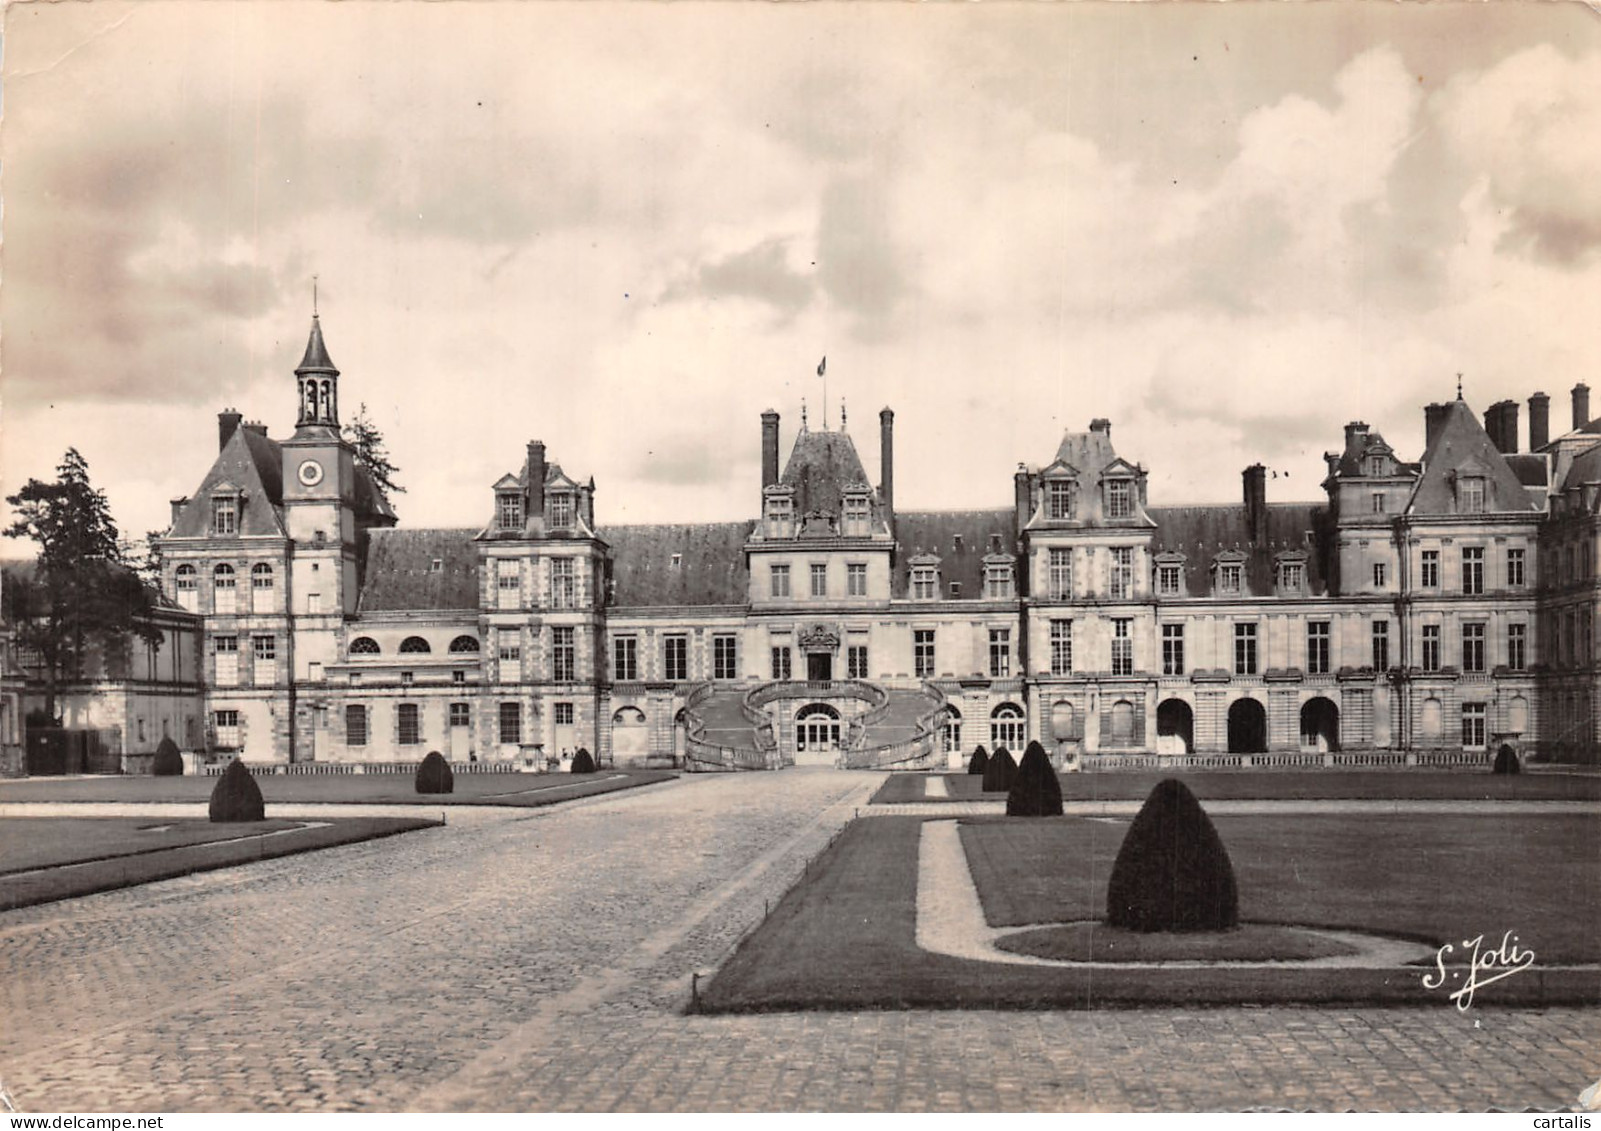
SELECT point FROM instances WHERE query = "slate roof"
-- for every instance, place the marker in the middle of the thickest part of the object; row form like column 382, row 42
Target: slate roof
column 820, row 465
column 712, row 569
column 400, row 574
column 1088, row 452
column 316, row 353
column 1200, row 533
column 253, row 463
column 960, row 538
column 1462, row 444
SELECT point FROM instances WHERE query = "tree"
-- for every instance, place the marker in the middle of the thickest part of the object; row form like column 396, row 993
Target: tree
column 363, row 435
column 81, row 591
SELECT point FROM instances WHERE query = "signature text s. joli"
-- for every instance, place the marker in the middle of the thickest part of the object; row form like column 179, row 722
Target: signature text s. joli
column 1483, row 966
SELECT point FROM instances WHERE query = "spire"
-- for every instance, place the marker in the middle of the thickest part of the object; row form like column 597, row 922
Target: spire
column 316, row 359
column 318, row 381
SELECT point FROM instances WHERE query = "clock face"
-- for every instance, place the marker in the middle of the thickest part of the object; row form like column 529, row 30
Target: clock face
column 311, row 473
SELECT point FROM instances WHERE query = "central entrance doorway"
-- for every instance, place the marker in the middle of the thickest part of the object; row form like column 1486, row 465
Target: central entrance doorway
column 817, row 735
column 819, row 667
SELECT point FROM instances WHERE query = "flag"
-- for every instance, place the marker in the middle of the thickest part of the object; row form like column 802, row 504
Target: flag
column 822, row 365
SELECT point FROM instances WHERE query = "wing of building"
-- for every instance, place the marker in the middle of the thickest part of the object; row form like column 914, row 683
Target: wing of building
column 1426, row 610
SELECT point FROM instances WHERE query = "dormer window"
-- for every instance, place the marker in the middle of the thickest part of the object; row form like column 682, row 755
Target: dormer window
column 1291, row 568
column 1060, row 498
column 1229, row 575
column 780, row 517
column 561, row 510
column 1470, row 494
column 1376, row 465
column 1119, row 498
column 225, row 514
column 509, row 510
column 998, row 580
column 925, row 582
column 856, row 516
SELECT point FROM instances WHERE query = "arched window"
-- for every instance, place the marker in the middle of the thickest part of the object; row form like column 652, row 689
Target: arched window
column 1007, row 727
column 1122, row 728
column 261, row 584
column 1433, row 718
column 817, row 727
column 464, row 644
column 952, row 731
column 222, row 582
column 1064, row 721
column 187, row 581
column 414, row 644
column 364, row 646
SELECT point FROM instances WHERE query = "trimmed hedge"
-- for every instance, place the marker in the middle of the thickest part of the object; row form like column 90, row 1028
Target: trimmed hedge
column 583, row 763
column 1506, row 761
column 1035, row 792
column 236, row 796
column 1172, row 872
column 979, row 760
column 1000, row 772
column 435, row 775
column 168, row 762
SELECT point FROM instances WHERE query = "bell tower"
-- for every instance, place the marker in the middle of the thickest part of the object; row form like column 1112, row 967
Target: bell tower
column 318, row 383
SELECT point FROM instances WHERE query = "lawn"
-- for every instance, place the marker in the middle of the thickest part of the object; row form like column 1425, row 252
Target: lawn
column 844, row 936
column 517, row 790
column 1287, row 785
column 51, row 858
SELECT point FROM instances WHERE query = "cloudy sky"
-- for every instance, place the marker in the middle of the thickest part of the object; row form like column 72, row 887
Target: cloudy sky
column 627, row 228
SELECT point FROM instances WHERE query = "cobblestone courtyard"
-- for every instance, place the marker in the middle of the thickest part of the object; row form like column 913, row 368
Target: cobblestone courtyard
column 541, row 960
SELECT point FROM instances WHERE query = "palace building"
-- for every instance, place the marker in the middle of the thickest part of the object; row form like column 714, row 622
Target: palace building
column 1425, row 611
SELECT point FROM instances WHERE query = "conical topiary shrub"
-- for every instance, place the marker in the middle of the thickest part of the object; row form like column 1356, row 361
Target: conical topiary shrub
column 1035, row 791
column 168, row 762
column 236, row 796
column 1000, row 771
column 582, row 762
column 979, row 760
column 435, row 775
column 1506, row 760
column 1172, row 873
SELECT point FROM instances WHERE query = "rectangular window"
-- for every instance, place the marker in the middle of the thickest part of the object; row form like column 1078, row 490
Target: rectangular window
column 406, row 678
column 1245, row 649
column 724, row 661
column 563, row 584
column 226, row 724
column 458, row 676
column 1061, row 647
column 1059, row 499
column 778, row 580
column 1122, row 572
column 1172, row 649
column 1119, row 498
column 355, row 726
column 1472, row 570
column 1514, row 567
column 1473, row 725
column 1122, row 646
column 675, row 657
column 1381, row 575
column 227, row 649
column 265, row 650
column 564, row 714
column 509, row 513
column 1059, row 580
column 1228, row 578
column 1378, row 502
column 856, row 579
column 510, row 652
column 561, row 510
column 923, row 653
column 782, row 667
column 1167, row 580
column 1470, row 491
column 856, row 661
column 925, row 583
column 1000, row 653
column 625, row 658
column 819, row 573
column 1517, row 646
column 460, row 715
column 856, row 517
column 410, row 731
column 1429, row 574
column 997, row 581
column 1381, row 645
column 508, row 584
column 563, row 655
column 1290, row 577
column 1431, row 647
column 781, row 518
column 1473, row 647
column 1317, row 647
column 511, row 724
column 225, row 515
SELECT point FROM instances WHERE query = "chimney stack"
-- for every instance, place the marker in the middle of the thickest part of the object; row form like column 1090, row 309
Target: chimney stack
column 227, row 424
column 886, row 458
column 1255, row 478
column 177, row 507
column 1433, row 420
column 1356, row 434
column 1024, row 495
column 1492, row 426
column 1581, row 405
column 1101, row 424
column 1509, row 426
column 769, row 448
column 536, row 479
column 1539, row 421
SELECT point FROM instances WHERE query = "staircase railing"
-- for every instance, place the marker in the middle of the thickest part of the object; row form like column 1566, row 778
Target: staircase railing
column 700, row 753
column 920, row 747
